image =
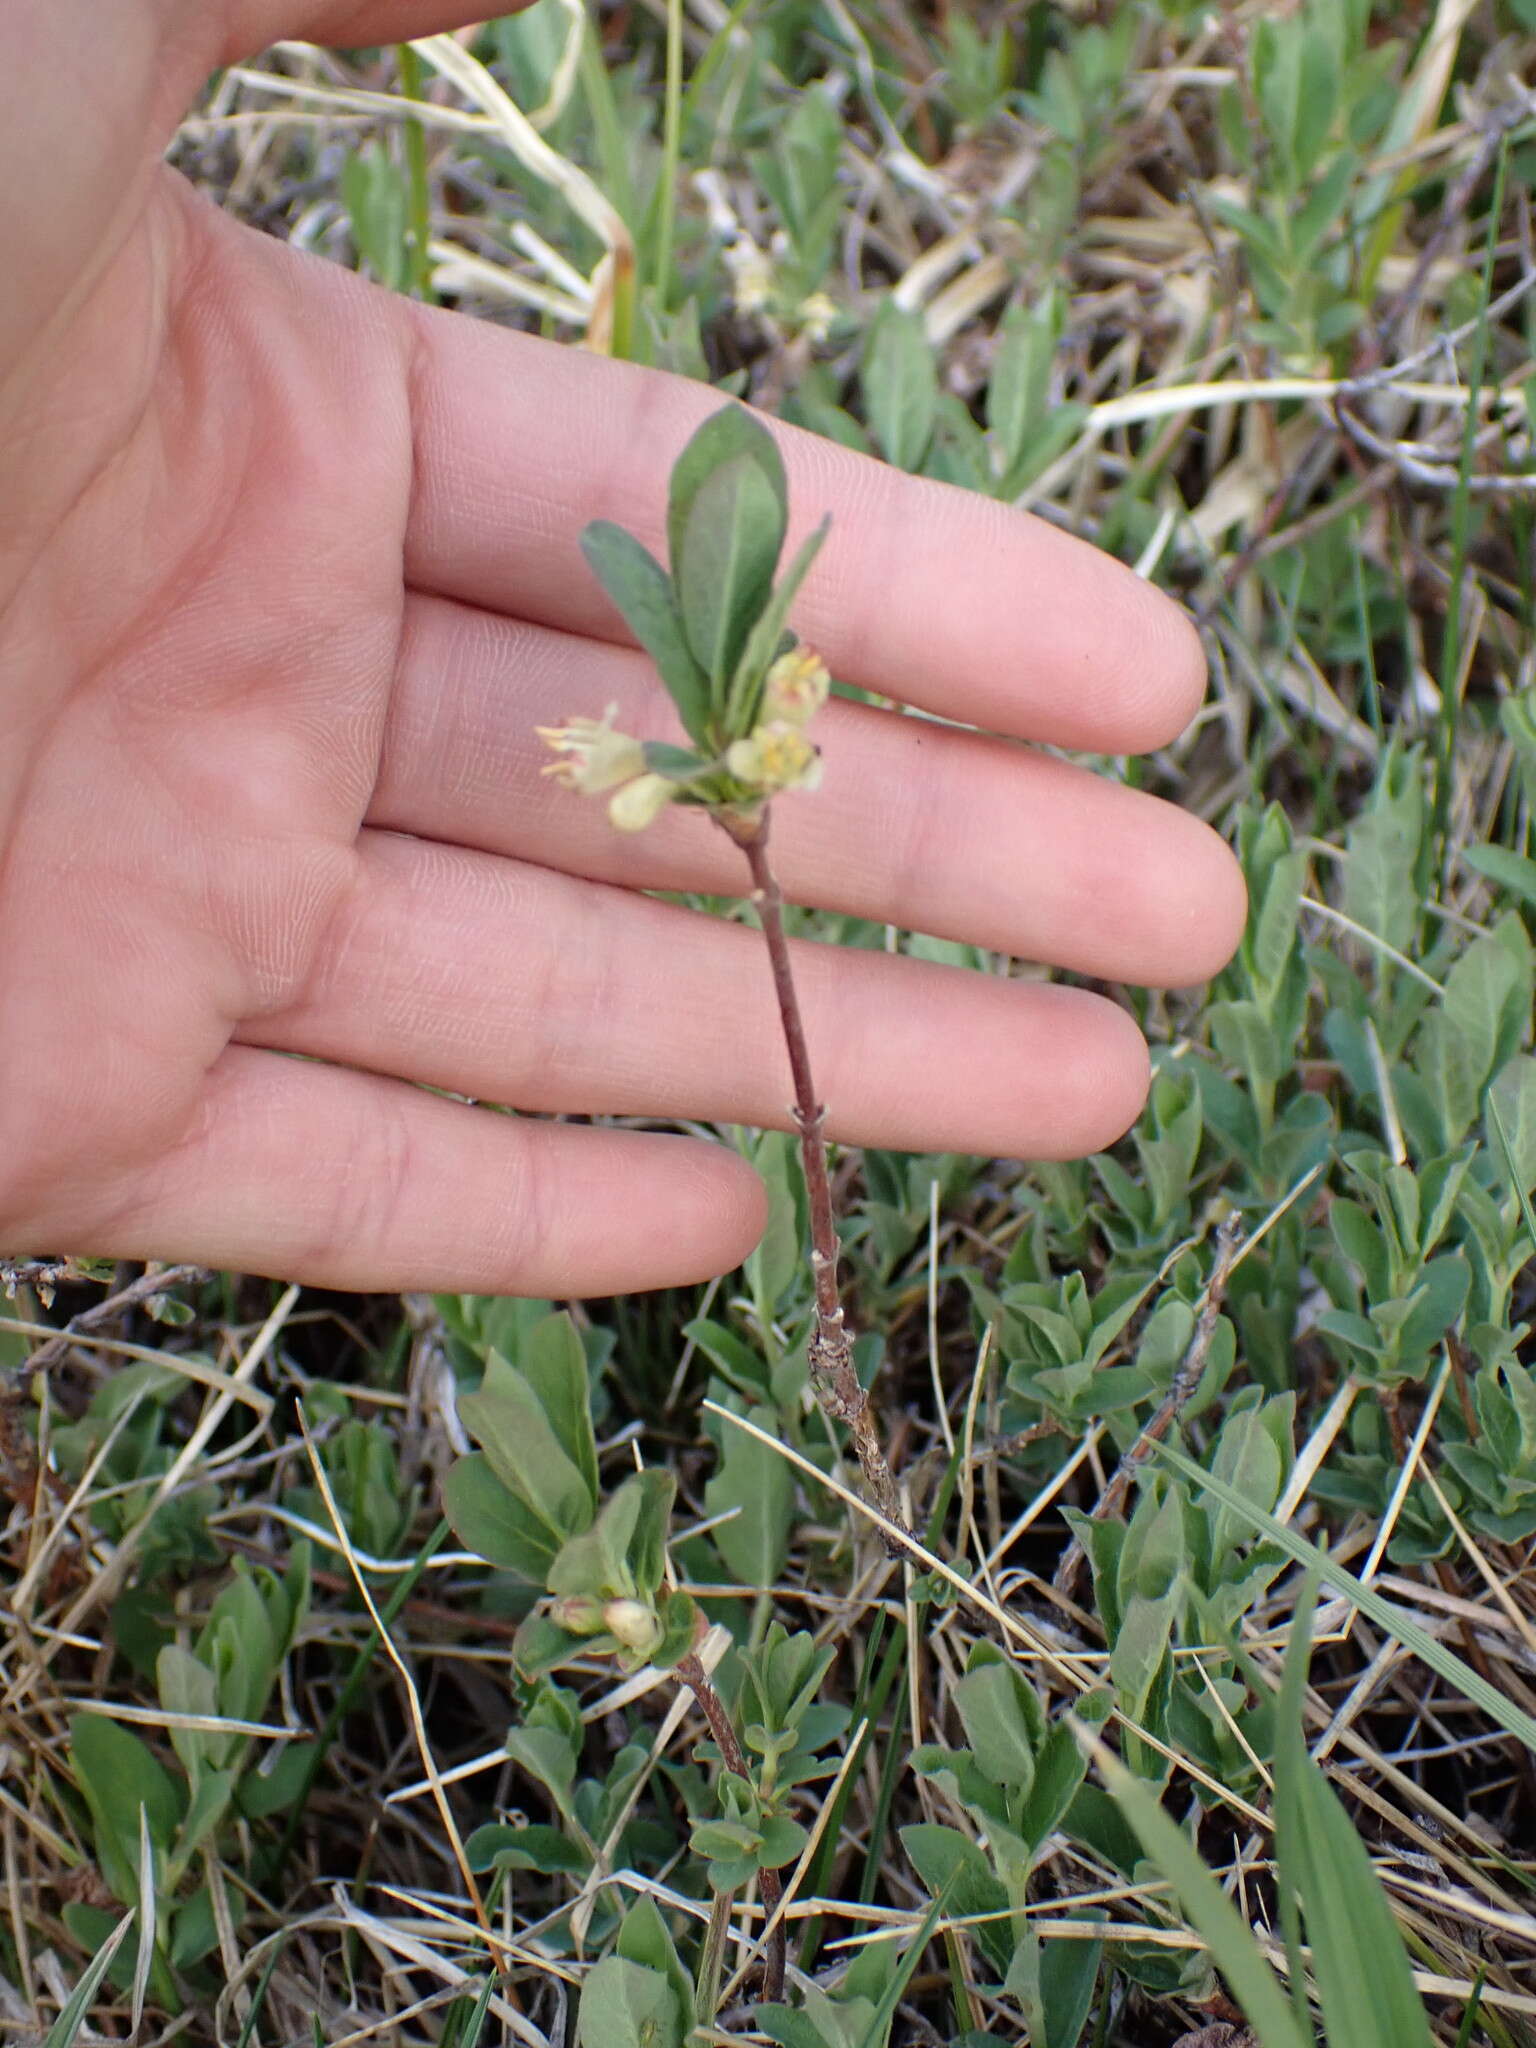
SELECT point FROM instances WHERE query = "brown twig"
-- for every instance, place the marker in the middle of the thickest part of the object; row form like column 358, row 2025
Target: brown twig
column 834, row 1376
column 144, row 1288
column 1174, row 1402
column 696, row 1678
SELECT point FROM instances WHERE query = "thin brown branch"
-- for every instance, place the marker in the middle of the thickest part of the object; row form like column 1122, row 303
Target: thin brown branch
column 834, row 1375
column 144, row 1288
column 696, row 1678
column 1174, row 1402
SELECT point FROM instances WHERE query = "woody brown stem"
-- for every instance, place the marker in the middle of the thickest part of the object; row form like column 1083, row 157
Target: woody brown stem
column 834, row 1377
column 696, row 1678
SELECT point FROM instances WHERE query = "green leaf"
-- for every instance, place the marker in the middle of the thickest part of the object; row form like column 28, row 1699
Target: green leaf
column 373, row 190
column 1059, row 1773
column 1054, row 1981
column 276, row 1789
column 549, row 1758
column 1018, row 386
column 791, row 2028
column 644, row 1939
column 762, row 647
column 1364, row 1985
column 639, row 586
column 187, row 1686
column 490, row 1520
column 1004, row 1722
column 118, row 1774
column 730, row 549
column 1515, row 872
column 507, row 1420
column 499, row 1847
column 953, row 1868
column 901, row 385
column 554, row 1363
column 760, row 1485
column 625, row 2005
column 733, row 434
column 622, row 1554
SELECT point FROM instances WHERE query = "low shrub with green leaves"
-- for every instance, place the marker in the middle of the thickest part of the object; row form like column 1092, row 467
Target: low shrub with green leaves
column 452, row 1670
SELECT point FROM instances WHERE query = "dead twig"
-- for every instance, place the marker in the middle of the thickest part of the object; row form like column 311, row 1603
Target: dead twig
column 1174, row 1402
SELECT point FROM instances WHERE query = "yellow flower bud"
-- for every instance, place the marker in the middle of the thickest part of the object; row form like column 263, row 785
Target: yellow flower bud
column 595, row 757
column 816, row 315
column 633, row 807
column 796, row 687
column 775, row 757
column 633, row 1625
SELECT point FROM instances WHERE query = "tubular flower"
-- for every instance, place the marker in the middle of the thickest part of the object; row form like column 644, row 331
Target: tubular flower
column 796, row 688
column 773, row 757
column 633, row 1624
column 594, row 756
column 816, row 315
column 633, row 807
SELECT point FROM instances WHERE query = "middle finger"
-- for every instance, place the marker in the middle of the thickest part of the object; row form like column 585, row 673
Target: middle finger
column 920, row 824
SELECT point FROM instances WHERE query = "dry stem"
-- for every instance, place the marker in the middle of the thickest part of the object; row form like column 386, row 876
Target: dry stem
column 1174, row 1402
column 834, row 1377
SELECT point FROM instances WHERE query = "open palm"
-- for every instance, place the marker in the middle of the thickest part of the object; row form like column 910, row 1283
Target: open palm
column 289, row 572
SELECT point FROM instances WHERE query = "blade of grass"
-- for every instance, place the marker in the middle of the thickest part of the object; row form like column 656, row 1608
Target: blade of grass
column 1364, row 1985
column 1233, row 1945
column 419, row 225
column 671, row 164
column 350, row 1692
column 1512, row 1719
column 1452, row 668
column 66, row 2028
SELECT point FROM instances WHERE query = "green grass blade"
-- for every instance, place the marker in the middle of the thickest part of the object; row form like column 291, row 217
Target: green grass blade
column 66, row 2028
column 1503, row 1712
column 1233, row 1945
column 1460, row 536
column 1364, row 1985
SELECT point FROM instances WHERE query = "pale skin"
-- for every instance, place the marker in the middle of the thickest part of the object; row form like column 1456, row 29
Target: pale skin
column 288, row 575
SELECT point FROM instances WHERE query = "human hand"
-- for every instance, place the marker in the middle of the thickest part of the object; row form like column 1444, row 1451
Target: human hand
column 289, row 572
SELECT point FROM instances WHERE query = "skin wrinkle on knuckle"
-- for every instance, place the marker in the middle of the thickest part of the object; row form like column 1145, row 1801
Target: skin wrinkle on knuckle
column 367, row 1201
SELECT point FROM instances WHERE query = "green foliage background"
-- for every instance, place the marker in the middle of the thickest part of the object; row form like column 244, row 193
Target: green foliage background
column 1239, row 293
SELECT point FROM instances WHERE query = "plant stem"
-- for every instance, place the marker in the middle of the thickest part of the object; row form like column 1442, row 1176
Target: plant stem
column 1181, row 1392
column 419, row 229
column 833, row 1373
column 696, row 1678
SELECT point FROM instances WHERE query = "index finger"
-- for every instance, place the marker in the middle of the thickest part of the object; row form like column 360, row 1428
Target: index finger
column 937, row 596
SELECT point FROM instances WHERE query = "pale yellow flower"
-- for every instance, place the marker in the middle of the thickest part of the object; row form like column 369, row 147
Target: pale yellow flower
column 796, row 687
column 632, row 1624
column 775, row 756
column 751, row 274
column 633, row 807
column 595, row 757
column 816, row 315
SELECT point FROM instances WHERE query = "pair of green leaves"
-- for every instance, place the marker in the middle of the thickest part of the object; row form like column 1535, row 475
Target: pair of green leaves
column 714, row 626
column 528, row 1502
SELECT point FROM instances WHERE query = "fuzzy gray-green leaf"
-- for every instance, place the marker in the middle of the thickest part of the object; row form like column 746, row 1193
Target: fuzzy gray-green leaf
column 729, row 551
column 508, row 1421
column 639, row 586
